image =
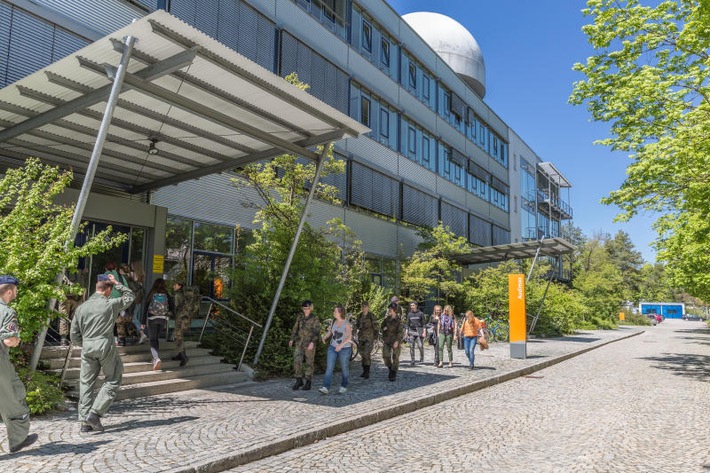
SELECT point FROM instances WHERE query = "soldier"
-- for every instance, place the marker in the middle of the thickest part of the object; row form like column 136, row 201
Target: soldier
column 416, row 330
column 182, row 322
column 392, row 333
column 13, row 407
column 67, row 308
column 92, row 330
column 366, row 326
column 305, row 333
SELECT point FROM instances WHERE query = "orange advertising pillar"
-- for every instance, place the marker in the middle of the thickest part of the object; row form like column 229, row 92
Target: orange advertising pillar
column 518, row 326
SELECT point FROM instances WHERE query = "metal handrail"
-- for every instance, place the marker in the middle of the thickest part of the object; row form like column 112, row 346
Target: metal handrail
column 253, row 324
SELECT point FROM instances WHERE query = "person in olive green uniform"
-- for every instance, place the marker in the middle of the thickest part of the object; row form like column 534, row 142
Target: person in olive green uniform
column 305, row 333
column 13, row 406
column 182, row 322
column 366, row 326
column 92, row 330
column 392, row 332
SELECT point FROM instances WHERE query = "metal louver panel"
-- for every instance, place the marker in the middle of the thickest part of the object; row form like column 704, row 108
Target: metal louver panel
column 103, row 17
column 480, row 231
column 419, row 208
column 374, row 191
column 205, row 18
column 66, row 43
column 30, row 45
column 314, row 70
column 455, row 218
column 5, row 18
column 499, row 185
column 478, row 172
column 501, row 236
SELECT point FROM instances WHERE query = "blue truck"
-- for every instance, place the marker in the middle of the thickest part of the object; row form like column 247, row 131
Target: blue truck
column 669, row 310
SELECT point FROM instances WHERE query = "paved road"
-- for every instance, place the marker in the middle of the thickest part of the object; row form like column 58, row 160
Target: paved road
column 638, row 405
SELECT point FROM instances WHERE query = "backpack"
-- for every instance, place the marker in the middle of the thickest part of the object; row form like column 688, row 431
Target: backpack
column 159, row 306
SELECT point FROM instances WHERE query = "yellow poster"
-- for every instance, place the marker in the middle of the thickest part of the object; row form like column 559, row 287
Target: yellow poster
column 622, row 316
column 516, row 303
column 158, row 263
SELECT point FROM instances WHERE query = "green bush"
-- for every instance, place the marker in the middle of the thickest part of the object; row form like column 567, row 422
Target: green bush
column 635, row 319
column 43, row 393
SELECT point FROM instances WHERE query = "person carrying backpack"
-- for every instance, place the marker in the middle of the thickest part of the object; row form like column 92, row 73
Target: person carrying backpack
column 158, row 307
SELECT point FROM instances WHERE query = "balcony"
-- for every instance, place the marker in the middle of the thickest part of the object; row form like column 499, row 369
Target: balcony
column 554, row 206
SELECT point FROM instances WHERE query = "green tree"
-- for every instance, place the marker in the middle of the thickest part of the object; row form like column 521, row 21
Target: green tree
column 650, row 81
column 432, row 270
column 628, row 261
column 599, row 282
column 33, row 234
column 654, row 283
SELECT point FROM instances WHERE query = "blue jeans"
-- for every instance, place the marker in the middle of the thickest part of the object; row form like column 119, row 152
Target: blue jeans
column 469, row 346
column 344, row 356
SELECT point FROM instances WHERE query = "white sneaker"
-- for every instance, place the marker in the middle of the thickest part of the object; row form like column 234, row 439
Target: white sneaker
column 143, row 339
column 156, row 365
column 323, row 390
column 342, row 390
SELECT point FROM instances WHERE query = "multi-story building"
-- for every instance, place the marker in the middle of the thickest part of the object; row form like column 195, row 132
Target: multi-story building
column 435, row 152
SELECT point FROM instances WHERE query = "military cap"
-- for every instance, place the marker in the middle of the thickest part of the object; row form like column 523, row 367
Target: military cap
column 392, row 306
column 8, row 279
column 102, row 277
column 307, row 303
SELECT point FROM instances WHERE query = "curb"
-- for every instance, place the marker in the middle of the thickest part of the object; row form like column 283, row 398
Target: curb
column 320, row 433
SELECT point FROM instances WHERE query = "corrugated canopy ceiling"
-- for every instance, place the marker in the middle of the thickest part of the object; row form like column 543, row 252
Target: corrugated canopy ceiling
column 202, row 106
column 526, row 249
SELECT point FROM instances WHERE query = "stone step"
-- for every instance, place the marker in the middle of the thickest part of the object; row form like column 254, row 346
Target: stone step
column 162, row 374
column 136, row 357
column 50, row 353
column 175, row 385
column 196, row 359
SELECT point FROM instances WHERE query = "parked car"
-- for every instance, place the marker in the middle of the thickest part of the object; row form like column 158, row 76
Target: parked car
column 694, row 318
column 652, row 318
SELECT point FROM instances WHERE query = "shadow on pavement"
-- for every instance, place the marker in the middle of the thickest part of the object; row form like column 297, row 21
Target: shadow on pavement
column 54, row 448
column 688, row 365
column 139, row 424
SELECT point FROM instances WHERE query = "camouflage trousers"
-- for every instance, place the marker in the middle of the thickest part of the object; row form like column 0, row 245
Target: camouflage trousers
column 299, row 353
column 182, row 325
column 364, row 347
column 64, row 324
column 391, row 356
column 125, row 327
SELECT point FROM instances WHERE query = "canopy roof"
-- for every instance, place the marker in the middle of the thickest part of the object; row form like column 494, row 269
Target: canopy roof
column 526, row 249
column 190, row 106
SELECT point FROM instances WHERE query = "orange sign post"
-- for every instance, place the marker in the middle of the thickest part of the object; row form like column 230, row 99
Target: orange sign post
column 518, row 315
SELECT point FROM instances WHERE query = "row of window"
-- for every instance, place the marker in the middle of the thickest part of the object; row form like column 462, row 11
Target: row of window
column 373, row 43
column 401, row 134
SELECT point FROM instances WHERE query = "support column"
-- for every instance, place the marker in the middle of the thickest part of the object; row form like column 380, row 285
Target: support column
column 120, row 74
column 287, row 265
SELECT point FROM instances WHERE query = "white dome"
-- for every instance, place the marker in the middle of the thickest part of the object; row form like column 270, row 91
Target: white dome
column 456, row 46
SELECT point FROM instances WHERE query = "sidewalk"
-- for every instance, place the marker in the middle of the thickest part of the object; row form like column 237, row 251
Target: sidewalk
column 210, row 430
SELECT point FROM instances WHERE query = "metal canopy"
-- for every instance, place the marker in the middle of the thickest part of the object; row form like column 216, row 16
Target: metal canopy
column 527, row 249
column 553, row 174
column 189, row 107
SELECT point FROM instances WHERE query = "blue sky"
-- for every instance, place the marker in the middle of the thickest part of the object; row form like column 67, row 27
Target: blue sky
column 529, row 48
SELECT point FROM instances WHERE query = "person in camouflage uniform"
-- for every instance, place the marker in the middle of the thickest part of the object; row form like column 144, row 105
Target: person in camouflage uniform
column 392, row 332
column 366, row 326
column 13, row 406
column 92, row 330
column 304, row 335
column 67, row 308
column 182, row 322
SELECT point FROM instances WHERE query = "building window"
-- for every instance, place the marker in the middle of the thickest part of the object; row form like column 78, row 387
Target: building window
column 385, row 53
column 412, row 143
column 412, row 76
column 328, row 7
column 366, row 36
column 426, row 84
column 385, row 125
column 365, row 111
column 426, row 152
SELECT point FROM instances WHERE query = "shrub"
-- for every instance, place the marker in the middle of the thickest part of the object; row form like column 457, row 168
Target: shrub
column 635, row 319
column 43, row 393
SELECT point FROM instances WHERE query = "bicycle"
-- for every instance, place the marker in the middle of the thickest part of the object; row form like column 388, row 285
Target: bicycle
column 496, row 331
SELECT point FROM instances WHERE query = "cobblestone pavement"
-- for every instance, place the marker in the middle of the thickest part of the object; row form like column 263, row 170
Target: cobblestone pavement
column 639, row 405
column 212, row 430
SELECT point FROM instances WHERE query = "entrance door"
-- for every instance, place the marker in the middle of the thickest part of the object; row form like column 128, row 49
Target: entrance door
column 132, row 251
column 210, row 272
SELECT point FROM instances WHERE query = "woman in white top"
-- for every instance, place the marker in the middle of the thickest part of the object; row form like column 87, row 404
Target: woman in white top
column 340, row 334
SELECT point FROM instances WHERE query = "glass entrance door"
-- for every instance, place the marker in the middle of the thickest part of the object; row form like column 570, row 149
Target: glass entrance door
column 210, row 272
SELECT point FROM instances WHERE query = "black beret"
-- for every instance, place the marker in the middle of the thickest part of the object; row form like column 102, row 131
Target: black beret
column 307, row 303
column 7, row 279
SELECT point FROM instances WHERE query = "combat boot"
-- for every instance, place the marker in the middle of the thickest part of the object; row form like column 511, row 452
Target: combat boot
column 307, row 387
column 298, row 384
column 366, row 372
column 94, row 421
column 183, row 358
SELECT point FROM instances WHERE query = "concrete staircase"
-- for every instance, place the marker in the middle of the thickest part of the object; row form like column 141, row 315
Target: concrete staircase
column 139, row 379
